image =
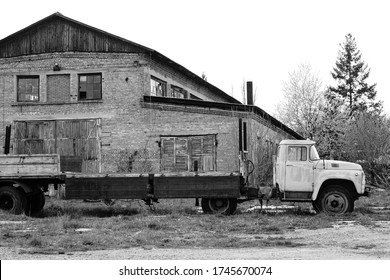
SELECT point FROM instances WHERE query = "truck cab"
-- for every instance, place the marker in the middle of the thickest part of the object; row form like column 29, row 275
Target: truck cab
column 301, row 176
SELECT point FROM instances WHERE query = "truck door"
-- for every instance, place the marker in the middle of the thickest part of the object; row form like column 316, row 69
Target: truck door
column 299, row 170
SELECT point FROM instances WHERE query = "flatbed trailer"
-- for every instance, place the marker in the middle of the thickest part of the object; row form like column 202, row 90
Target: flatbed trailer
column 299, row 176
column 25, row 178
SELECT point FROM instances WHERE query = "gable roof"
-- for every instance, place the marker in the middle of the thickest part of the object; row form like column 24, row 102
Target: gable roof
column 58, row 33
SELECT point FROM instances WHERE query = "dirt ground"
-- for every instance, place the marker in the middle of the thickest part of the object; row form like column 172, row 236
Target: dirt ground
column 345, row 241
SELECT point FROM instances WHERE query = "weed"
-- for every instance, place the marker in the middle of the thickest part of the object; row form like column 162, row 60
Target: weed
column 273, row 229
column 36, row 242
column 174, row 223
column 87, row 242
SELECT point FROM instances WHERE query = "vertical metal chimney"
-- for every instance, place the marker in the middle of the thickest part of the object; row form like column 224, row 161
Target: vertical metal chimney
column 249, row 93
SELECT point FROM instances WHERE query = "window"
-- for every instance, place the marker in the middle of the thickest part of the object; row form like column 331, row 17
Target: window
column 313, row 153
column 28, row 89
column 243, row 136
column 297, row 153
column 178, row 92
column 158, row 87
column 90, row 86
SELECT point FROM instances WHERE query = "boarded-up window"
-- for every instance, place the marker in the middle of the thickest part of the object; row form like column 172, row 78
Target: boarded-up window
column 76, row 141
column 58, row 88
column 28, row 89
column 188, row 153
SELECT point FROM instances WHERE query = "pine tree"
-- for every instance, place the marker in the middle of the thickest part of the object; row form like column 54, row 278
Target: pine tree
column 351, row 74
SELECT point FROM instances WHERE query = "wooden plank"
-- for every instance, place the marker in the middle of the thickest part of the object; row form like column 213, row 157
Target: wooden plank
column 208, row 162
column 28, row 159
column 20, row 130
column 65, row 147
column 29, row 170
column 29, row 165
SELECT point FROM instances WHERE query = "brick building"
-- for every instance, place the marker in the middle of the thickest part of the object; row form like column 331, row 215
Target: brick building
column 106, row 104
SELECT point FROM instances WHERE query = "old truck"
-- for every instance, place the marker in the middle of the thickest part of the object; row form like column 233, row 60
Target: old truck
column 331, row 186
column 299, row 176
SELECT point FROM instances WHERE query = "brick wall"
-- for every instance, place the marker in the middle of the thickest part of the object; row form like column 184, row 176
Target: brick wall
column 130, row 130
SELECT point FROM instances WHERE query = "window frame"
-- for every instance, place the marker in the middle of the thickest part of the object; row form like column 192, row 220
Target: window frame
column 86, row 90
column 176, row 91
column 301, row 153
column 243, row 135
column 153, row 91
column 18, row 94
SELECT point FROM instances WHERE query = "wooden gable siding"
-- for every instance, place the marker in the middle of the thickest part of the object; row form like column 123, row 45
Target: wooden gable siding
column 62, row 35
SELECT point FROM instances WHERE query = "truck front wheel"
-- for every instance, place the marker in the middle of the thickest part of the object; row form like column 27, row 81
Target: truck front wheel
column 12, row 200
column 334, row 200
column 219, row 205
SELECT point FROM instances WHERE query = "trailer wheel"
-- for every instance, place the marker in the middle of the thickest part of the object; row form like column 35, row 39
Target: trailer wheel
column 12, row 200
column 35, row 203
column 219, row 205
column 335, row 200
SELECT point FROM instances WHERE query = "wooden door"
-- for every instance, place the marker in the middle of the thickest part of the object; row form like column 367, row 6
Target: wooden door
column 76, row 141
column 34, row 137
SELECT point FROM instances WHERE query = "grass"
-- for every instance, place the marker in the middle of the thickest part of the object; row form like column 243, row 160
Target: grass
column 66, row 226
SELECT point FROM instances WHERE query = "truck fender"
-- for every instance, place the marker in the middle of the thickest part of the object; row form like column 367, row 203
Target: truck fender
column 346, row 182
column 27, row 189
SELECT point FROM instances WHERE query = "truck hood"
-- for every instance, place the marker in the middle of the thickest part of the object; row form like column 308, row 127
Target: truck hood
column 338, row 165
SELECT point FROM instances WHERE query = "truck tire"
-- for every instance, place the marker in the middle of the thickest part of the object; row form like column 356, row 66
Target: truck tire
column 12, row 200
column 317, row 206
column 335, row 200
column 35, row 203
column 225, row 206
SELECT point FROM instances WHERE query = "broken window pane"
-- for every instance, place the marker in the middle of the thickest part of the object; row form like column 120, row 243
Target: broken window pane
column 90, row 86
column 28, row 89
column 178, row 92
column 158, row 87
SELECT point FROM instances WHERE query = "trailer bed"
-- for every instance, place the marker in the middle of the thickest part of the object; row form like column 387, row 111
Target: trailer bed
column 142, row 186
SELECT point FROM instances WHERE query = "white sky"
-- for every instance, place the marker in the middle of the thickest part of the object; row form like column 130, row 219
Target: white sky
column 233, row 41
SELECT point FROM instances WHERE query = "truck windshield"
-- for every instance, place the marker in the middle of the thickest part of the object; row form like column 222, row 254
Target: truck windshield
column 313, row 153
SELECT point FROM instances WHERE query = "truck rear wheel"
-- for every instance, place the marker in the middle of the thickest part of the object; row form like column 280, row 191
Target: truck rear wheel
column 335, row 200
column 35, row 203
column 12, row 200
column 219, row 205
